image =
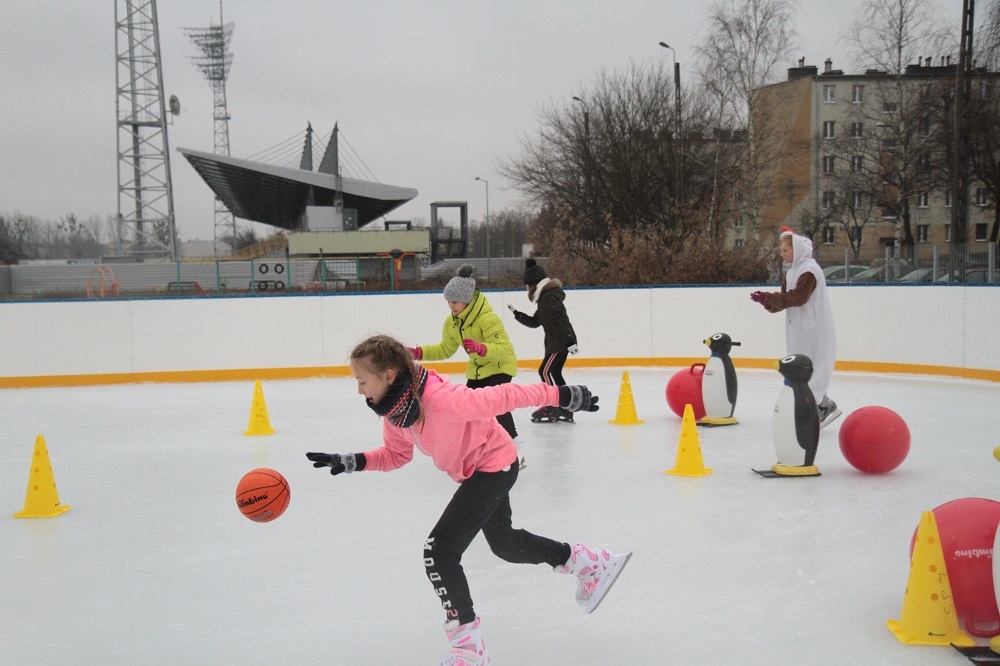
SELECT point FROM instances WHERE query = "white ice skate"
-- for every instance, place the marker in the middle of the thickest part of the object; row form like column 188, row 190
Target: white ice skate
column 467, row 646
column 596, row 571
column 828, row 412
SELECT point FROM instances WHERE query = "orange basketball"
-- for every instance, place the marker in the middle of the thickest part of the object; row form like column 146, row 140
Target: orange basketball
column 262, row 495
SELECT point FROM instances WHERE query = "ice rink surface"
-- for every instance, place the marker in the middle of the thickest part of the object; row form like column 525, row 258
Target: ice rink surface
column 154, row 564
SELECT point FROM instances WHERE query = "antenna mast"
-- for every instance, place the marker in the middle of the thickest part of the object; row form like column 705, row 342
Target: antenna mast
column 214, row 63
column 146, row 225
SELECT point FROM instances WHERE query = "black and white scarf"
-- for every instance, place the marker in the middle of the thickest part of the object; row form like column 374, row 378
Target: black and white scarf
column 401, row 404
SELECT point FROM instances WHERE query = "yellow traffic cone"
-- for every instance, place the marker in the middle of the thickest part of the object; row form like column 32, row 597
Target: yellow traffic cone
column 625, row 414
column 42, row 498
column 689, row 461
column 260, row 424
column 929, row 616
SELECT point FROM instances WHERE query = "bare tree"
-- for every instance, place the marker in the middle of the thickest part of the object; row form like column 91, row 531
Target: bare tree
column 747, row 46
column 886, row 35
column 904, row 118
column 983, row 111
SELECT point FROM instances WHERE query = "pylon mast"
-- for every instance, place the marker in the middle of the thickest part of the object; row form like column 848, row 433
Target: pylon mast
column 214, row 63
column 146, row 227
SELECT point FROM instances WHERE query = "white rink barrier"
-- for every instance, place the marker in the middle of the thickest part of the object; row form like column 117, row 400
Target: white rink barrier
column 933, row 329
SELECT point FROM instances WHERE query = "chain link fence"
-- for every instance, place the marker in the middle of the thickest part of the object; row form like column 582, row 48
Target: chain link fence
column 253, row 277
column 922, row 263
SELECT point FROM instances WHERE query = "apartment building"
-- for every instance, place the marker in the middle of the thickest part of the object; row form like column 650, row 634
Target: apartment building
column 852, row 155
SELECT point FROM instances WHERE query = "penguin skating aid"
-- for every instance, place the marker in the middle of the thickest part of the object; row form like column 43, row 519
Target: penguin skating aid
column 718, row 383
column 795, row 424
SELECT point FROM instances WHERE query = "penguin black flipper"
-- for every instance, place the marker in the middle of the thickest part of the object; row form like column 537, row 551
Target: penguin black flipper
column 807, row 424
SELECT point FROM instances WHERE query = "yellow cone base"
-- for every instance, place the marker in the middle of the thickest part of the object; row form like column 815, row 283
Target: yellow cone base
column 42, row 498
column 625, row 414
column 689, row 461
column 929, row 616
column 795, row 470
column 712, row 421
column 995, row 644
column 260, row 424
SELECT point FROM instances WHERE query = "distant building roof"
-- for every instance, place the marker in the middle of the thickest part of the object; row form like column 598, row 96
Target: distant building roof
column 278, row 195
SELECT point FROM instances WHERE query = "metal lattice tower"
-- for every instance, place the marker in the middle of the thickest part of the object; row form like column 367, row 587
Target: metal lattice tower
column 146, row 225
column 214, row 63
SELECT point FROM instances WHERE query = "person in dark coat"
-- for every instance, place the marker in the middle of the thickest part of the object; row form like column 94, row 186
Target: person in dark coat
column 560, row 339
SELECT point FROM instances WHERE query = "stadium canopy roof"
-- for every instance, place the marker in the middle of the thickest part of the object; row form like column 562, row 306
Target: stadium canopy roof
column 278, row 195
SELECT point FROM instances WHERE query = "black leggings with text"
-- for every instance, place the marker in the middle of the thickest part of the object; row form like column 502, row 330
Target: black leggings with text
column 481, row 503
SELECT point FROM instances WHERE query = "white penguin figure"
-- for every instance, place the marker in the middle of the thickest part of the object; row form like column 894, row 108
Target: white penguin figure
column 795, row 423
column 718, row 383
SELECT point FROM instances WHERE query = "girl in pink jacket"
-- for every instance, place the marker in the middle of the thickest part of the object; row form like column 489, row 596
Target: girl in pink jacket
column 455, row 426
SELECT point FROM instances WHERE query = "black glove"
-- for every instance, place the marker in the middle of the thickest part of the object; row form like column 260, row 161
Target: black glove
column 351, row 462
column 577, row 399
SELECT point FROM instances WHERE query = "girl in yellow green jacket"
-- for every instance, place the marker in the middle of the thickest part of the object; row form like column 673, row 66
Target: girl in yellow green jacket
column 475, row 327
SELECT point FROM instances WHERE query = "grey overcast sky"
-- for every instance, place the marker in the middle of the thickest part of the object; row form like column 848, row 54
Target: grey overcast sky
column 429, row 93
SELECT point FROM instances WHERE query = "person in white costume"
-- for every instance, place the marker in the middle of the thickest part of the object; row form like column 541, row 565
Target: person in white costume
column 809, row 327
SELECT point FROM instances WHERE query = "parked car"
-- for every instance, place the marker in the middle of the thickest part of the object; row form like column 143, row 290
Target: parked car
column 874, row 274
column 924, row 275
column 842, row 273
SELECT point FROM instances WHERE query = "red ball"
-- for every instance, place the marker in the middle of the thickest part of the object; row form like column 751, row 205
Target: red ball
column 684, row 388
column 874, row 439
column 262, row 495
column 967, row 528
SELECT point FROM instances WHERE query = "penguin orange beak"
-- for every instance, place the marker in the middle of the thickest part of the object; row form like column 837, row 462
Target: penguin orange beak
column 708, row 342
column 777, row 365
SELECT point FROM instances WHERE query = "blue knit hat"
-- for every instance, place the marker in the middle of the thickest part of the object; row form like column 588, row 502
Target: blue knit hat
column 461, row 287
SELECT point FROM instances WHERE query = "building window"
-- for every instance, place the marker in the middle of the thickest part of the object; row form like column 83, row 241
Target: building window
column 856, row 236
column 829, row 129
column 922, row 232
column 856, row 199
column 923, row 162
column 829, row 94
column 888, row 213
column 947, row 233
column 857, row 93
column 857, row 130
column 981, row 197
column 828, row 198
column 947, row 198
column 922, row 200
column 981, row 231
column 857, row 163
column 890, row 107
column 738, row 224
column 828, row 163
column 889, row 144
column 925, row 127
column 738, row 244
column 829, row 235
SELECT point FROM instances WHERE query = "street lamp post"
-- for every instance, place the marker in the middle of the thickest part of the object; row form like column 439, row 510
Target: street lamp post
column 483, row 180
column 678, row 169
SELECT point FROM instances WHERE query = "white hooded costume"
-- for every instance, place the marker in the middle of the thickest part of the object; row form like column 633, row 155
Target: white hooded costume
column 809, row 328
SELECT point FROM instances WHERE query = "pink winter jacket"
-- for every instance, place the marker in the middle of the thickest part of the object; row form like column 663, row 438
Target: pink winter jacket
column 459, row 431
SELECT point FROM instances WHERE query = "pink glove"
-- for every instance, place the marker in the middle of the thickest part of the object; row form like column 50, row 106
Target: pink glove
column 474, row 347
column 416, row 352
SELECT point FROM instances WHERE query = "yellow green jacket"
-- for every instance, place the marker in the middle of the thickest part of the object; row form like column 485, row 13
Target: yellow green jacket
column 477, row 322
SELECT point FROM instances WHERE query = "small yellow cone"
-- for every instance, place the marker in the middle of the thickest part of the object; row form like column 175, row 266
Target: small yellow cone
column 625, row 414
column 260, row 424
column 42, row 498
column 689, row 461
column 929, row 616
